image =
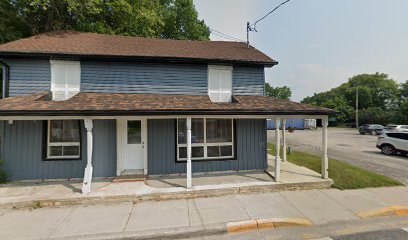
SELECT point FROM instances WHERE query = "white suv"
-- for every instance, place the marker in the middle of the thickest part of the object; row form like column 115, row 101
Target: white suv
column 391, row 143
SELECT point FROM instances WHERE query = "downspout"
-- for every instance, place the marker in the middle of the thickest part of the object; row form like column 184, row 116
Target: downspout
column 6, row 75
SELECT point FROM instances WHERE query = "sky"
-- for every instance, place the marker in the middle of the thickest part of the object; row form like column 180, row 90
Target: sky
column 319, row 44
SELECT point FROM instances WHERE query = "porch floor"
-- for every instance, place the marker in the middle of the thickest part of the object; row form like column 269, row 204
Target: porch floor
column 26, row 194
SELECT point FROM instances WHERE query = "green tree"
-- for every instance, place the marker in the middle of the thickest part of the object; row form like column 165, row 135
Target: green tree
column 380, row 99
column 175, row 19
column 278, row 92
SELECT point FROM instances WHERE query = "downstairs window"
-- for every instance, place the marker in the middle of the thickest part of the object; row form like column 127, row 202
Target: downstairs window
column 211, row 138
column 63, row 139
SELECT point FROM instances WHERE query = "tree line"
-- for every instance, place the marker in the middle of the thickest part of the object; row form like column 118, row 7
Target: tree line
column 170, row 19
column 381, row 100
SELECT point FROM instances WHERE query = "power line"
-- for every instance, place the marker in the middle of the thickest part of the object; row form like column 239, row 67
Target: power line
column 226, row 36
column 252, row 27
column 273, row 10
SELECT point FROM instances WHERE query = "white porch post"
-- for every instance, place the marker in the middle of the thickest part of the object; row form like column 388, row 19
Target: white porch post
column 277, row 158
column 189, row 177
column 86, row 186
column 325, row 160
column 284, row 140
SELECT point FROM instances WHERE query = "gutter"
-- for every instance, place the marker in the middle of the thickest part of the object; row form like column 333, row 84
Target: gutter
column 157, row 113
column 6, row 75
column 149, row 59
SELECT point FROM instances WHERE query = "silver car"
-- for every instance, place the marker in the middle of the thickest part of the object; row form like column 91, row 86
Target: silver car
column 396, row 128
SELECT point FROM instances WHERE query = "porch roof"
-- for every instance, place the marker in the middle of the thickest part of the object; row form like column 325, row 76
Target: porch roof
column 112, row 104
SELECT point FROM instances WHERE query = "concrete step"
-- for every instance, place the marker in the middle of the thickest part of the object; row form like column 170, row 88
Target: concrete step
column 130, row 178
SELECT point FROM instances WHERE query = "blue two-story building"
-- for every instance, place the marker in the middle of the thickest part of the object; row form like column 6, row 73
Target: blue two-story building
column 90, row 105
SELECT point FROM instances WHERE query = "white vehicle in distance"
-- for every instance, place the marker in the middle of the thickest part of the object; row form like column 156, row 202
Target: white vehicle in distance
column 391, row 143
column 396, row 128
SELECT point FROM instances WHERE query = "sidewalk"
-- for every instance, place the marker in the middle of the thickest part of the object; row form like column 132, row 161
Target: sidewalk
column 66, row 193
column 202, row 215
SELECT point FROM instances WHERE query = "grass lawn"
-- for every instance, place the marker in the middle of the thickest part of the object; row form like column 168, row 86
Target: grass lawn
column 345, row 176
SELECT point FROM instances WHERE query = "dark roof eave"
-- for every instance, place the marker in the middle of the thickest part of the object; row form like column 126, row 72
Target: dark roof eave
column 135, row 58
column 160, row 112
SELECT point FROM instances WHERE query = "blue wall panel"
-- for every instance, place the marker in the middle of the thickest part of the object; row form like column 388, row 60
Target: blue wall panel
column 119, row 77
column 29, row 76
column 23, row 156
column 34, row 76
column 248, row 81
column 250, row 144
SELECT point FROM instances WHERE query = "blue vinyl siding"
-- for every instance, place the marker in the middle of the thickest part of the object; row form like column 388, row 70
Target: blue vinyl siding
column 29, row 76
column 23, row 156
column 248, row 81
column 250, row 149
column 117, row 77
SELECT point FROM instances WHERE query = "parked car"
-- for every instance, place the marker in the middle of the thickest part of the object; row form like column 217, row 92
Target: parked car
column 391, row 143
column 373, row 129
column 396, row 128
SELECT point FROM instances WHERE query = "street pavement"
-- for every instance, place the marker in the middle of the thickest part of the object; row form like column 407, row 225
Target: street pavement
column 320, row 207
column 349, row 146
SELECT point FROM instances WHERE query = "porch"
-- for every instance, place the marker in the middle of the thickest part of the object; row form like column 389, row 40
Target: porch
column 104, row 135
column 60, row 193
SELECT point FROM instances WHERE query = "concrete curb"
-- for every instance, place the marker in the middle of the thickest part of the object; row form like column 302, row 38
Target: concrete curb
column 42, row 203
column 268, row 223
column 197, row 231
column 169, row 233
column 397, row 210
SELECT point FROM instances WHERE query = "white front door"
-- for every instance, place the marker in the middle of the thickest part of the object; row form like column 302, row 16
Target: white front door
column 132, row 145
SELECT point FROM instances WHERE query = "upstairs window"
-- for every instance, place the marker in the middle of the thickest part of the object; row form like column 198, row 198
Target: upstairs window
column 220, row 83
column 65, row 79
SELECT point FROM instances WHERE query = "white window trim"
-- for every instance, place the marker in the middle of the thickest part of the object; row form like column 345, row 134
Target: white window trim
column 61, row 144
column 205, row 144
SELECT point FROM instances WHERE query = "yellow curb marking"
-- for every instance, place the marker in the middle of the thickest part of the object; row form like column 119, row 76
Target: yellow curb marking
column 401, row 210
column 250, row 225
column 242, row 226
column 386, row 211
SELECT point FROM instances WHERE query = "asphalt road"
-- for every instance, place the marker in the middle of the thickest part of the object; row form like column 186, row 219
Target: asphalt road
column 394, row 234
column 349, row 146
column 383, row 228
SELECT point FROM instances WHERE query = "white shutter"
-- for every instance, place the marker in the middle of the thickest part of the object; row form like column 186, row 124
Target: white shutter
column 65, row 79
column 220, row 83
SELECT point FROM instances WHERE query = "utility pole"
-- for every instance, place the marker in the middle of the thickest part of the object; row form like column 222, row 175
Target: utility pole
column 357, row 125
column 248, row 29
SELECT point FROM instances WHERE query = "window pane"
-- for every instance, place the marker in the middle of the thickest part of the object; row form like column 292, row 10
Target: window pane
column 56, row 131
column 182, row 131
column 134, row 132
column 71, row 151
column 197, row 130
column 64, row 131
column 219, row 130
column 55, row 151
column 70, row 132
column 182, row 152
column 226, row 151
column 197, row 152
column 213, row 151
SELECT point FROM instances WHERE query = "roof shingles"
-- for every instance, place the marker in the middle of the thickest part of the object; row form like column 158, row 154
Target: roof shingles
column 152, row 104
column 92, row 44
